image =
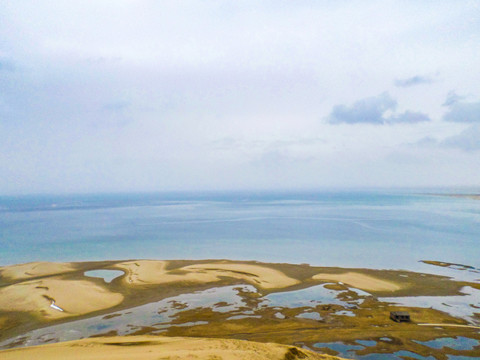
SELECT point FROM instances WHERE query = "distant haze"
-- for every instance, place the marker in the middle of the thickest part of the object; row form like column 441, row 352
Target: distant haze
column 203, row 95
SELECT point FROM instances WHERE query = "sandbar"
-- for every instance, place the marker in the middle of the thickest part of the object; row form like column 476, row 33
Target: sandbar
column 262, row 276
column 35, row 269
column 74, row 297
column 154, row 272
column 360, row 281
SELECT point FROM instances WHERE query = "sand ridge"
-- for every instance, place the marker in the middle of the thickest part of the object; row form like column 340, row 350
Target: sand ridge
column 35, row 269
column 74, row 297
column 160, row 347
column 262, row 276
column 154, row 272
column 360, row 281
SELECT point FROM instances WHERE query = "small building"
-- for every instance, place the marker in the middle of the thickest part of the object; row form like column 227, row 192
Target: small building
column 400, row 316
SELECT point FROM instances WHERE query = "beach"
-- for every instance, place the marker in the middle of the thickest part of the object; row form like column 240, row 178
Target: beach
column 294, row 305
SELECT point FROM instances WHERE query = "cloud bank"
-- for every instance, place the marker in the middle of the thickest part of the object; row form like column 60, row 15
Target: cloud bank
column 373, row 110
column 463, row 112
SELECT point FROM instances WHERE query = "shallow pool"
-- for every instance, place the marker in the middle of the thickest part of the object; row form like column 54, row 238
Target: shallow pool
column 107, row 275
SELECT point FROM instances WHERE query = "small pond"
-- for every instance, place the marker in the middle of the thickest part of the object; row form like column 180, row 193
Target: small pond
column 106, row 275
column 457, row 343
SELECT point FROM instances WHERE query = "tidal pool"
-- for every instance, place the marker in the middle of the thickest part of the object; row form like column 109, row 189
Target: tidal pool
column 457, row 343
column 344, row 313
column 106, row 275
column 310, row 315
column 311, row 296
column 344, row 350
column 349, row 351
column 456, row 305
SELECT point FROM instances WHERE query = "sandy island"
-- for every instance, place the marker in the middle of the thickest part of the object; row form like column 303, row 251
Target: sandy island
column 35, row 269
column 155, row 272
column 360, row 281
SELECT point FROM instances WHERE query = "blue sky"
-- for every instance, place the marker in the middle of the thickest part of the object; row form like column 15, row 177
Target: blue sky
column 193, row 95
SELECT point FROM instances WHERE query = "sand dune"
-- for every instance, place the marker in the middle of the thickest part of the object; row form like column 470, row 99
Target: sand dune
column 74, row 297
column 153, row 272
column 360, row 281
column 159, row 347
column 35, row 269
column 144, row 272
column 261, row 276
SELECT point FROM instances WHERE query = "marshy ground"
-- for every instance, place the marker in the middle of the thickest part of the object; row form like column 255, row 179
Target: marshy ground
column 329, row 310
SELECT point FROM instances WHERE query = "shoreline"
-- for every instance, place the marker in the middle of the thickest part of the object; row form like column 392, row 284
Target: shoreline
column 455, row 195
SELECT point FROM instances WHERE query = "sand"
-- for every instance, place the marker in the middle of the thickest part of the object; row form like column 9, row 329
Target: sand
column 158, row 347
column 144, row 271
column 74, row 297
column 154, row 272
column 360, row 281
column 35, row 269
column 262, row 276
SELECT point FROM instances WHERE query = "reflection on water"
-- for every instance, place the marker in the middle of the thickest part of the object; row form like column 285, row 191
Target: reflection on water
column 404, row 353
column 310, row 315
column 345, row 350
column 457, row 343
column 367, row 342
column 311, row 296
column 344, row 313
column 457, row 306
column 349, row 351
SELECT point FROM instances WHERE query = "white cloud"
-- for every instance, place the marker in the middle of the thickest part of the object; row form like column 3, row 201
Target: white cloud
column 373, row 110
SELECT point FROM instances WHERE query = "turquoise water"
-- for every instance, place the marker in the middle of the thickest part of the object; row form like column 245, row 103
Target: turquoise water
column 354, row 229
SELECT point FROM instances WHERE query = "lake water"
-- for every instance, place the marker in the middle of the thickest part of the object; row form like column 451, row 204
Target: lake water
column 352, row 229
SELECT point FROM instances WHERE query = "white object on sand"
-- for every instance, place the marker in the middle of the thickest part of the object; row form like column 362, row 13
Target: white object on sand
column 52, row 305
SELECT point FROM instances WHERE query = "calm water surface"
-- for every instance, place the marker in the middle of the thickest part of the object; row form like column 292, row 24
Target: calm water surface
column 351, row 229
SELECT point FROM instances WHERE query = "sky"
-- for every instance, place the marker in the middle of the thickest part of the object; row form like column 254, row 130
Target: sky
column 124, row 95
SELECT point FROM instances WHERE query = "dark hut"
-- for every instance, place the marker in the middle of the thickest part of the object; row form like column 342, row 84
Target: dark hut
column 400, row 316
